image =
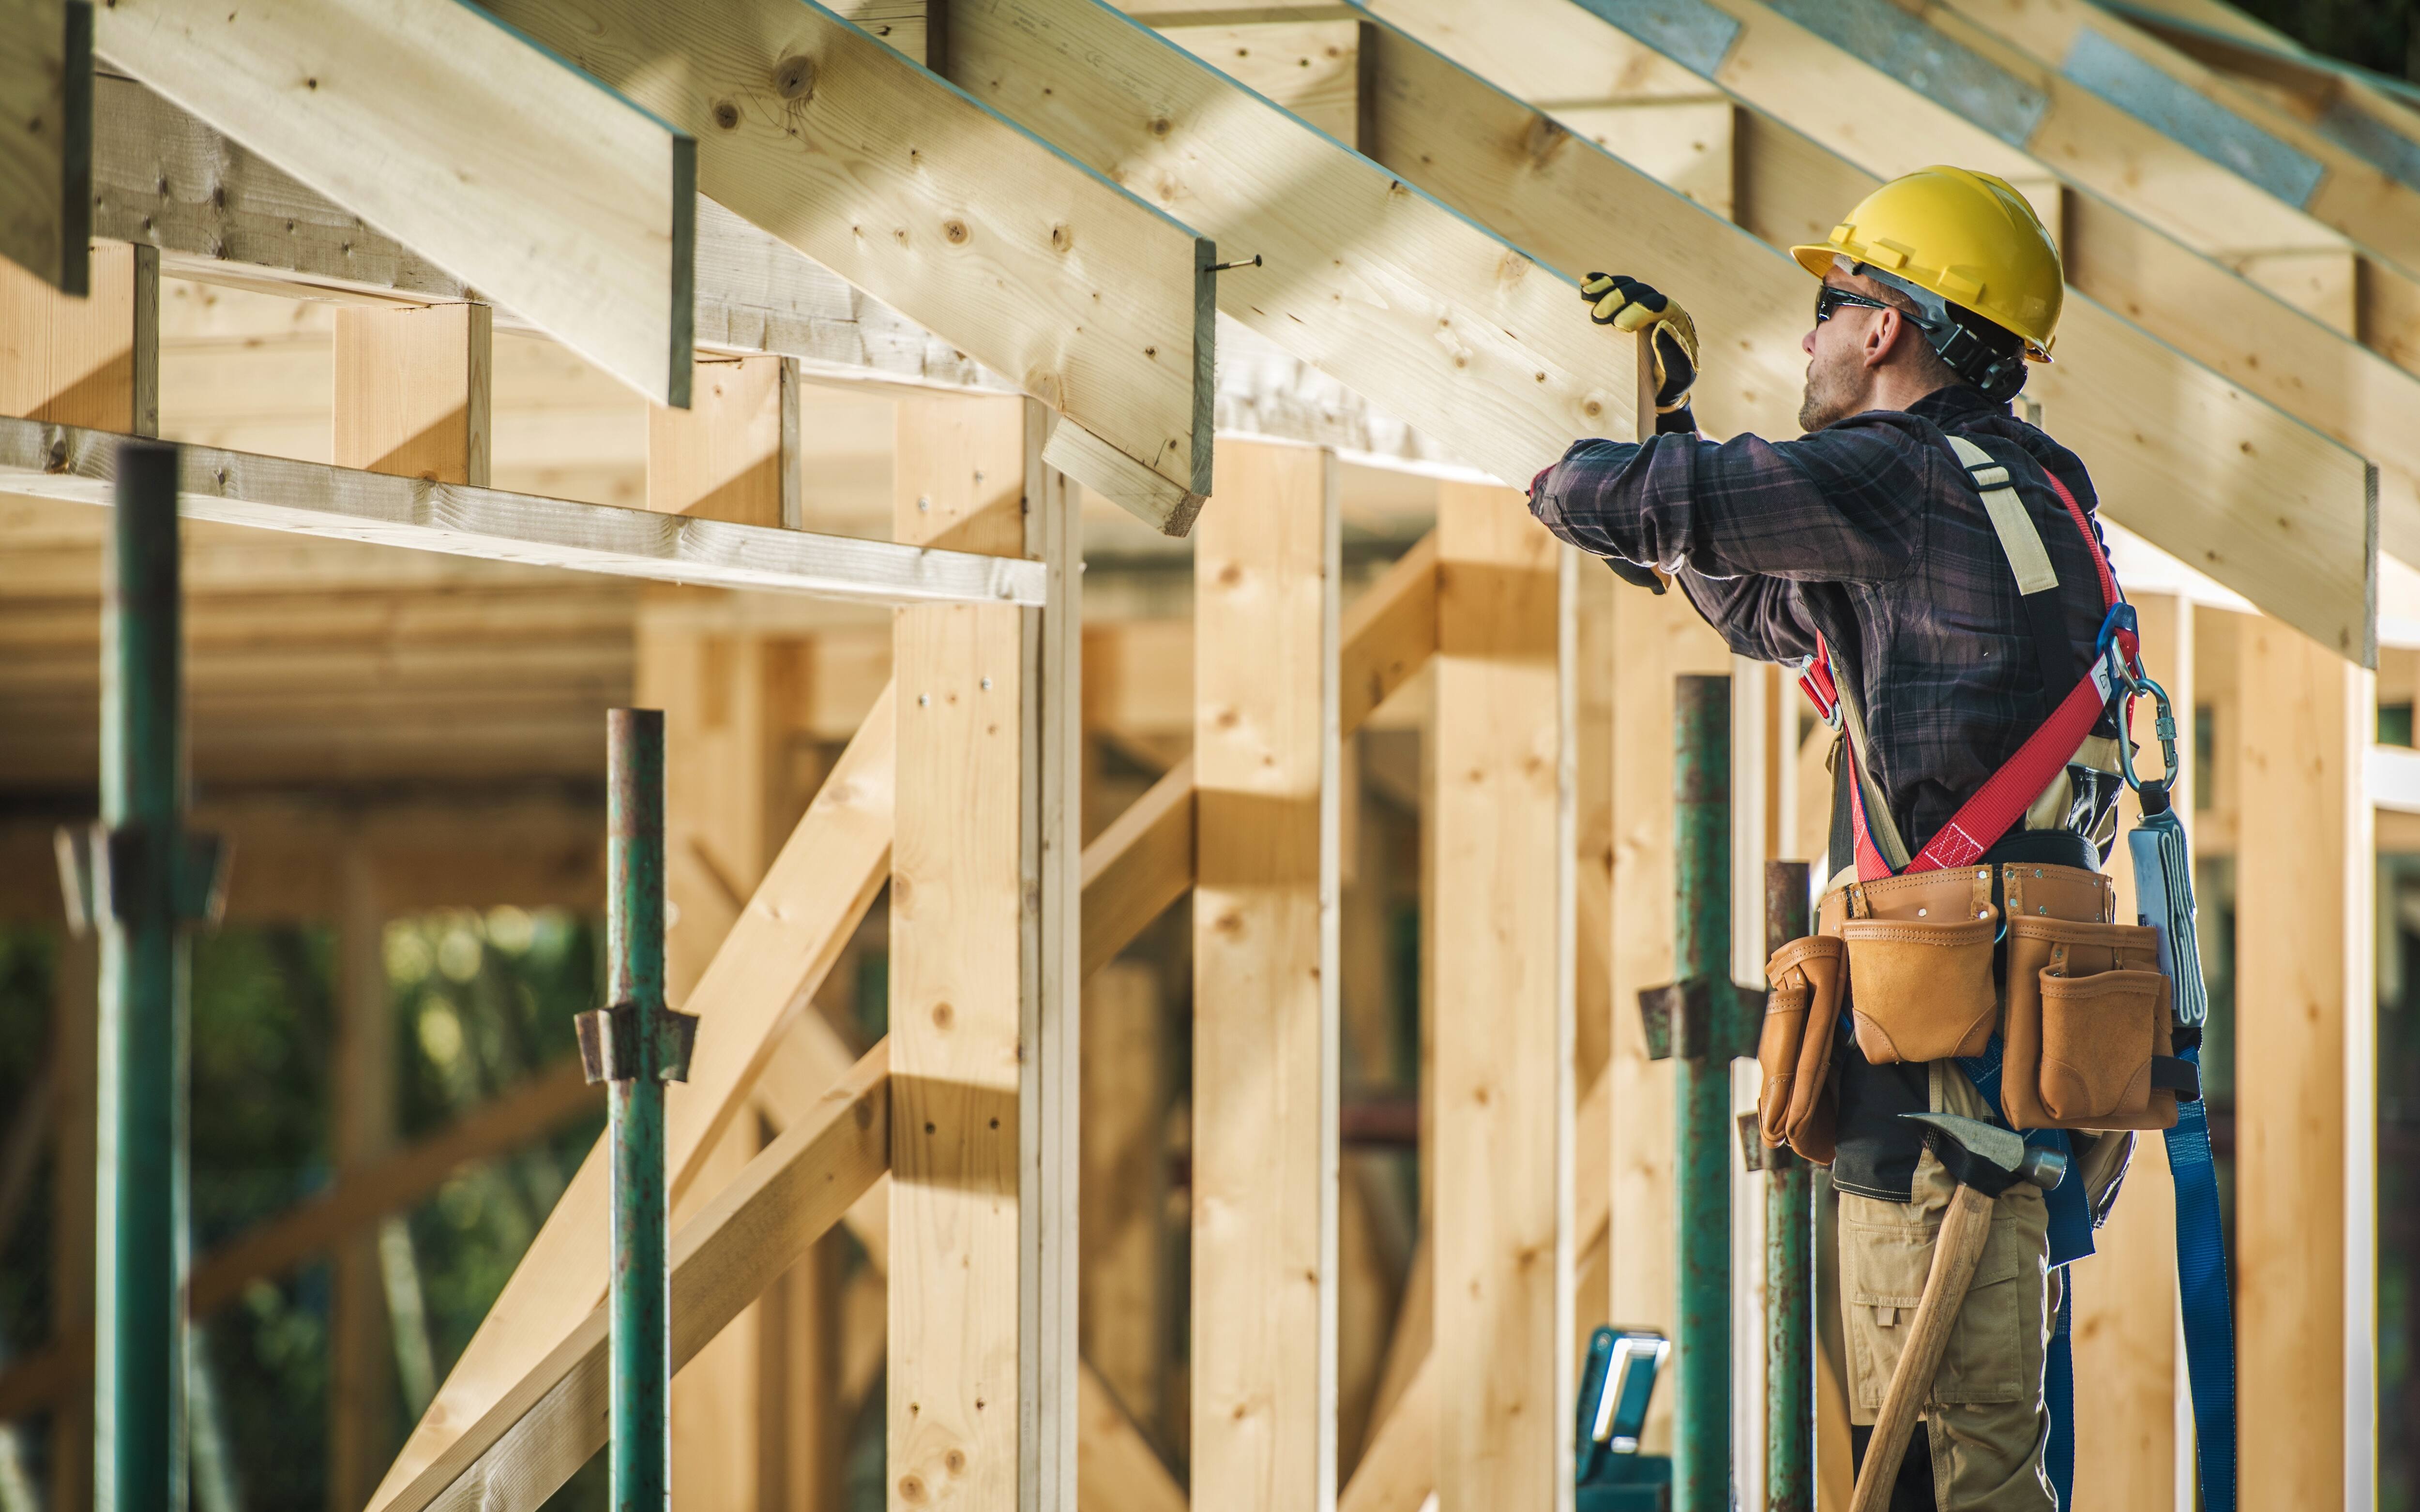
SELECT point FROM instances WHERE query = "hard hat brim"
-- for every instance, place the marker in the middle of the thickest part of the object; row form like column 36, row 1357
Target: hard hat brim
column 1816, row 259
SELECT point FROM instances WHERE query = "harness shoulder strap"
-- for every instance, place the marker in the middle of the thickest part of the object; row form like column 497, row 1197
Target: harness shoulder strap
column 2029, row 561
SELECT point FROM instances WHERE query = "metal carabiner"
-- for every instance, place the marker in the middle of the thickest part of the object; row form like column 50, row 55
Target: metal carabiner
column 2163, row 728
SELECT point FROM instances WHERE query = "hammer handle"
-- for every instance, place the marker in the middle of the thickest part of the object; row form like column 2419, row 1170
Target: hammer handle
column 1956, row 1251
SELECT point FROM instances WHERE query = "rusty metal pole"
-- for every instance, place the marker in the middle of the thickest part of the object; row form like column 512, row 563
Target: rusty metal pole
column 1789, row 1273
column 636, row 1046
column 1701, row 829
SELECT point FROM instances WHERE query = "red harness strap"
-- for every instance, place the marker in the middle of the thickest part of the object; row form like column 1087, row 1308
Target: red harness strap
column 2002, row 800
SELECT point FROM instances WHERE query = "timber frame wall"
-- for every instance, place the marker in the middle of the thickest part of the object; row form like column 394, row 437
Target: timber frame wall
column 1424, row 181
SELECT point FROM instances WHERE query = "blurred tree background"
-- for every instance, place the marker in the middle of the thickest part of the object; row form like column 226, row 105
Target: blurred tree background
column 2374, row 34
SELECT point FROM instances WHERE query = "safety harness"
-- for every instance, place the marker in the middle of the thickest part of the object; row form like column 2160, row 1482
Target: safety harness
column 2165, row 883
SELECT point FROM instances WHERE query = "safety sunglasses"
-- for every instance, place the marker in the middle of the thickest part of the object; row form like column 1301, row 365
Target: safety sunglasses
column 1829, row 299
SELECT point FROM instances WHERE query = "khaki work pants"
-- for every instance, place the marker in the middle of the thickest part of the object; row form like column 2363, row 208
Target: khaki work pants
column 1985, row 1420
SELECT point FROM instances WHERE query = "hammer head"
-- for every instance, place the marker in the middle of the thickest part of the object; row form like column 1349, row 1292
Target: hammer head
column 1989, row 1158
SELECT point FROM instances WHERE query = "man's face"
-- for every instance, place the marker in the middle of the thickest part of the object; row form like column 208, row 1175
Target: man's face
column 1839, row 372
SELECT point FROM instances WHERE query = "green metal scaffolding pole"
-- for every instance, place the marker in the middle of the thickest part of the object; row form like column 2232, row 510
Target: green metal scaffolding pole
column 1788, row 1254
column 635, row 1045
column 1705, row 1035
column 139, row 878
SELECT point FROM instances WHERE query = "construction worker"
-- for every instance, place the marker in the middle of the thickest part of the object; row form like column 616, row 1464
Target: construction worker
column 1882, row 542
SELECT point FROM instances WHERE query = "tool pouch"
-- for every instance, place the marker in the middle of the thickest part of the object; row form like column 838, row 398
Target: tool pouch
column 1794, row 1051
column 1920, row 952
column 2088, row 1024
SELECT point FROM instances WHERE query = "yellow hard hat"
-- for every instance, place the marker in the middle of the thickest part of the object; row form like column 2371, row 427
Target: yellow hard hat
column 1967, row 237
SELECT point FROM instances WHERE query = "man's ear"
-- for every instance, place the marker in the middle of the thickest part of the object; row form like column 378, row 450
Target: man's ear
column 1881, row 338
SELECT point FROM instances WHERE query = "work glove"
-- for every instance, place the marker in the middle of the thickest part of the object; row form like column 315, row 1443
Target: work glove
column 1627, row 304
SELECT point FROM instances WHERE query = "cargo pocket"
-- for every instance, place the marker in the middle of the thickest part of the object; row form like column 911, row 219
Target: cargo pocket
column 1794, row 1051
column 2088, row 1012
column 1923, row 986
column 1995, row 1353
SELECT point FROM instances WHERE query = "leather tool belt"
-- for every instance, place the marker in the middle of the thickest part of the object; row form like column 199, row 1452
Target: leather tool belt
column 1930, row 963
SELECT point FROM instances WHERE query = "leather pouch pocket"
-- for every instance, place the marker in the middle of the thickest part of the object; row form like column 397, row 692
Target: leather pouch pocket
column 1922, row 988
column 1794, row 1050
column 2087, row 1012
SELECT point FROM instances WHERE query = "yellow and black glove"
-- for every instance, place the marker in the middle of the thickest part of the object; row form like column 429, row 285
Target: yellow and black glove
column 1627, row 304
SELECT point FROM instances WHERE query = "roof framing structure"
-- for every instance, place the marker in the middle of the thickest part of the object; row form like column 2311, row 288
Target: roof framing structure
column 2236, row 327
column 2273, row 509
column 74, row 465
column 1090, row 298
column 1420, row 309
column 46, row 138
column 428, row 117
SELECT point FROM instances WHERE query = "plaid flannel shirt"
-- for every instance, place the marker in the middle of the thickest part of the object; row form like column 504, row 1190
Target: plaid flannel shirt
column 1871, row 532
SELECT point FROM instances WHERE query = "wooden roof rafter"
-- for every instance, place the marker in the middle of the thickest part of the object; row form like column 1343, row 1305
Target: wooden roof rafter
column 491, row 156
column 46, row 139
column 1087, row 297
column 1850, row 104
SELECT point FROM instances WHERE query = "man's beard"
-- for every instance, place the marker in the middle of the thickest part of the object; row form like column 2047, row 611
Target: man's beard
column 1823, row 401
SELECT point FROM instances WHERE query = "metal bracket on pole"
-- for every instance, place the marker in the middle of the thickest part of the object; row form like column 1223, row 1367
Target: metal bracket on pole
column 125, row 864
column 610, row 1050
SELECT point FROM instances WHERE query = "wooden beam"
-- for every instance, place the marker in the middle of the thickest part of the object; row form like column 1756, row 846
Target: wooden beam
column 1428, row 315
column 1092, row 300
column 734, row 453
column 413, row 386
column 783, row 945
column 46, row 140
column 1265, row 1025
column 1504, row 806
column 982, row 1378
column 1399, row 1470
column 532, row 1441
column 559, row 199
column 1389, row 634
column 2276, row 511
column 2304, row 1104
column 76, row 465
column 1309, row 61
column 93, row 361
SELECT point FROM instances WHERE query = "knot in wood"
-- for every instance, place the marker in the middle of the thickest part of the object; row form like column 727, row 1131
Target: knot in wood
column 1161, row 126
column 726, row 114
column 955, row 231
column 794, row 78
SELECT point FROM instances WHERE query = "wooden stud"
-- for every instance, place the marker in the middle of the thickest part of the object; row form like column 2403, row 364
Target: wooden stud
column 91, row 361
column 412, row 391
column 363, row 1091
column 1442, row 321
column 402, row 114
column 1089, row 299
column 1503, row 870
column 1266, row 1026
column 2304, row 969
column 804, row 1414
column 2128, row 1369
column 1126, row 1290
column 46, row 140
column 734, row 453
column 981, row 1192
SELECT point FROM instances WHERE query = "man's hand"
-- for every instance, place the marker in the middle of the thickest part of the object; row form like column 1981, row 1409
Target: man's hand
column 1627, row 304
